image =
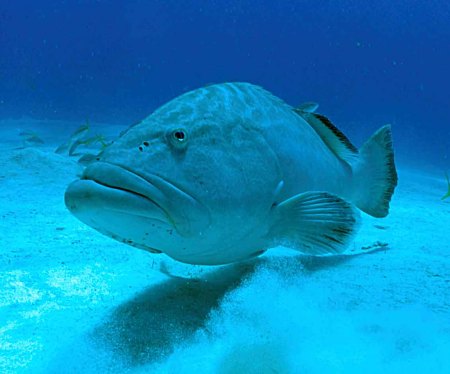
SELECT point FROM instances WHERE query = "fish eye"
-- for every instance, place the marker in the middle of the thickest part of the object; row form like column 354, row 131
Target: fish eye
column 178, row 137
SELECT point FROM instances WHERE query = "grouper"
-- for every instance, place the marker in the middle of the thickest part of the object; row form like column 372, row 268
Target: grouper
column 225, row 172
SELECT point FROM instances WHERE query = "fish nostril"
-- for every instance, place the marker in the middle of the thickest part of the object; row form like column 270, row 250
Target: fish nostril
column 143, row 144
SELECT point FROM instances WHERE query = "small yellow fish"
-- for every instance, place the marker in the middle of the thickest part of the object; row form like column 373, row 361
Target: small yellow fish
column 448, row 187
column 85, row 141
column 30, row 138
column 81, row 130
column 93, row 140
column 74, row 139
column 87, row 158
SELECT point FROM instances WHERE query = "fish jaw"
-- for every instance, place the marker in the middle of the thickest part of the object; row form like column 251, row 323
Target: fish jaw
column 124, row 216
column 148, row 213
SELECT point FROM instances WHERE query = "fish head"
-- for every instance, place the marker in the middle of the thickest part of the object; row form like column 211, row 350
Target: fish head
column 194, row 180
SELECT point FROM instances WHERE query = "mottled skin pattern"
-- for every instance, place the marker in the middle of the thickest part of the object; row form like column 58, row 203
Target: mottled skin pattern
column 246, row 150
column 219, row 116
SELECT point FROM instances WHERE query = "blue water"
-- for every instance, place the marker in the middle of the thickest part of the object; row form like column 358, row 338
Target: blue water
column 72, row 300
column 114, row 61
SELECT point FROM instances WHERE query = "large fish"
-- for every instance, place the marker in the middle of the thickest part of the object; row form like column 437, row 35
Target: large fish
column 225, row 172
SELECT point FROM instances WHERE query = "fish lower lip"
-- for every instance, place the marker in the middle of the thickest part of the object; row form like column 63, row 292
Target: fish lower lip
column 121, row 214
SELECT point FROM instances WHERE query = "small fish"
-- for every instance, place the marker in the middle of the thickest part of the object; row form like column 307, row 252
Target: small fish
column 30, row 138
column 79, row 133
column 225, row 172
column 447, row 195
column 61, row 149
column 96, row 139
column 88, row 142
column 82, row 130
column 87, row 158
column 74, row 146
column 26, row 133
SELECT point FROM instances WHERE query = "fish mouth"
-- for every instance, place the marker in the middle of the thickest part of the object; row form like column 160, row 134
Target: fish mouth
column 126, row 182
column 109, row 189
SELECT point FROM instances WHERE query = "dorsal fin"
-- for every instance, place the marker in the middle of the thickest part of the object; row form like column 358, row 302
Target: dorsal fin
column 331, row 135
column 308, row 107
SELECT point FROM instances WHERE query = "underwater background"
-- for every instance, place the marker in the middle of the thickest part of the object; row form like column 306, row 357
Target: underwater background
column 72, row 300
column 366, row 63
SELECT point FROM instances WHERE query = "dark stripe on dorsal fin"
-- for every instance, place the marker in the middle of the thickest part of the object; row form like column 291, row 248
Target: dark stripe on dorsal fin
column 331, row 135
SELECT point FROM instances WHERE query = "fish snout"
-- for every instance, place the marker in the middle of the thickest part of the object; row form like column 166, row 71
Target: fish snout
column 115, row 187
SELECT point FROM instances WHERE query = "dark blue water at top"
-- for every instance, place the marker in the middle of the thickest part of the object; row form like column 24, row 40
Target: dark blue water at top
column 367, row 63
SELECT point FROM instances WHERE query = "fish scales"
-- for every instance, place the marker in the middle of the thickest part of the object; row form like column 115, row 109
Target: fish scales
column 223, row 173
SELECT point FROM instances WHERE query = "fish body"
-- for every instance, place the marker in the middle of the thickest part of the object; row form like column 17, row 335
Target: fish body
column 222, row 173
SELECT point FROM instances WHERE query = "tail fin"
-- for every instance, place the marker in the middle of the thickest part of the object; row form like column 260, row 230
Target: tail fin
column 375, row 174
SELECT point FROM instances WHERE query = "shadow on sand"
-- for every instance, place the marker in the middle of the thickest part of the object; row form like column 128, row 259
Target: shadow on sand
column 148, row 327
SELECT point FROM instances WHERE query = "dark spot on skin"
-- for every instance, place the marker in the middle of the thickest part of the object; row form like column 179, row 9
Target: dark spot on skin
column 179, row 135
column 140, row 148
column 146, row 144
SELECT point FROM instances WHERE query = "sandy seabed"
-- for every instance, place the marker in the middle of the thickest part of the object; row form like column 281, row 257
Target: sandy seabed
column 72, row 300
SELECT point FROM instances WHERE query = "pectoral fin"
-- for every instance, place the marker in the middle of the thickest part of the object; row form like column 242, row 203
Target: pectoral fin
column 315, row 223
